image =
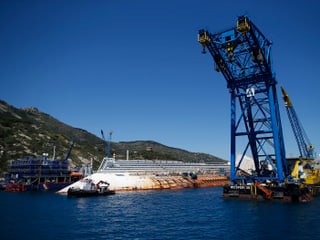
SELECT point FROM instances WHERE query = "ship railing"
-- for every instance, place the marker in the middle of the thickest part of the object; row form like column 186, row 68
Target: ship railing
column 111, row 163
column 165, row 172
column 172, row 169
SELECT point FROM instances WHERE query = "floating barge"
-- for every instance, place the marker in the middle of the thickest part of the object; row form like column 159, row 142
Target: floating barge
column 289, row 192
column 34, row 174
column 302, row 185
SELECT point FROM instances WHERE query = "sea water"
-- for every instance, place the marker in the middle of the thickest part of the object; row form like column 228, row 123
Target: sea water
column 163, row 214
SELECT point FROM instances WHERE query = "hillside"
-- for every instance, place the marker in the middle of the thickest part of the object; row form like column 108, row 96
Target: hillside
column 30, row 132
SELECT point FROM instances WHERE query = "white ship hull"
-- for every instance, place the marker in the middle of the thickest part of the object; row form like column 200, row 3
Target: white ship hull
column 118, row 181
column 125, row 175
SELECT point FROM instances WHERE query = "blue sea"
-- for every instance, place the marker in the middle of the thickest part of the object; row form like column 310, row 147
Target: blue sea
column 163, row 214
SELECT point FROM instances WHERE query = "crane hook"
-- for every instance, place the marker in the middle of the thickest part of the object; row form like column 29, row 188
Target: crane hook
column 203, row 50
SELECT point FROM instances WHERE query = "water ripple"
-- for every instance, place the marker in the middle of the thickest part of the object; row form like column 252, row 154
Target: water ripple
column 183, row 214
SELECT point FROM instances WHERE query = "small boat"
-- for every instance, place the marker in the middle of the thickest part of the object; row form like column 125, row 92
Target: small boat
column 88, row 189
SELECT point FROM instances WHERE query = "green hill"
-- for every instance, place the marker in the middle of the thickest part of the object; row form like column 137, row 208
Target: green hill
column 29, row 132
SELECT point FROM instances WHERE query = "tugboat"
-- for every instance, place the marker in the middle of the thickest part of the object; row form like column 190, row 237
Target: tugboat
column 86, row 188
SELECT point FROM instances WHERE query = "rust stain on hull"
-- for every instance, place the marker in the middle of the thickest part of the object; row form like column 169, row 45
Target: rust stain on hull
column 179, row 182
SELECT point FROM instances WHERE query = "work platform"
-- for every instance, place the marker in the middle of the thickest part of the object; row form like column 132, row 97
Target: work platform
column 290, row 192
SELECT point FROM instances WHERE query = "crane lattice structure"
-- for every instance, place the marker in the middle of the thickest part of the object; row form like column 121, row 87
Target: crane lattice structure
column 306, row 149
column 108, row 145
column 243, row 56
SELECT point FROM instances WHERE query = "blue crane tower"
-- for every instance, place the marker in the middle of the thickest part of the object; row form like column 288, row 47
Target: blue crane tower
column 243, row 55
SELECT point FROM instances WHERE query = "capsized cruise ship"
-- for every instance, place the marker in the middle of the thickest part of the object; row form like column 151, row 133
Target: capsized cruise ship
column 125, row 175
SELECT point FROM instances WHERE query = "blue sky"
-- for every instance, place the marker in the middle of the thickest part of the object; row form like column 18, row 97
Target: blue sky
column 135, row 67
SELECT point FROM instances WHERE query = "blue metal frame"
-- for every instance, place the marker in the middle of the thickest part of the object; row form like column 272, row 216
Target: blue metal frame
column 243, row 55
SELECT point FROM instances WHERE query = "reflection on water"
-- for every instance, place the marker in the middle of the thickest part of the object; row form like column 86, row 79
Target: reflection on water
column 175, row 214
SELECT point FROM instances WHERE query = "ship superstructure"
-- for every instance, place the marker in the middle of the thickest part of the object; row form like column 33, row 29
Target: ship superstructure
column 160, row 166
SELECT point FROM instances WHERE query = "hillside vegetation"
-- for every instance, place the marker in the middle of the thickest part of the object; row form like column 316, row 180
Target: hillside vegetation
column 30, row 132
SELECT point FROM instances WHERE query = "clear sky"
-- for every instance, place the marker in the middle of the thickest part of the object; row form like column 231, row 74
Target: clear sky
column 136, row 68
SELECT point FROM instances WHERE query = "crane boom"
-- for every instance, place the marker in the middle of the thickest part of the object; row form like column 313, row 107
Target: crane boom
column 108, row 145
column 303, row 142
